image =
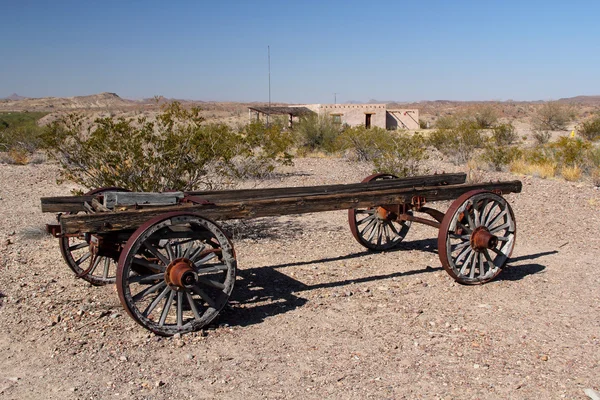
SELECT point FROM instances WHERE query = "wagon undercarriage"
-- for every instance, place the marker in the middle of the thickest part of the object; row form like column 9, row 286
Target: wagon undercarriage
column 175, row 268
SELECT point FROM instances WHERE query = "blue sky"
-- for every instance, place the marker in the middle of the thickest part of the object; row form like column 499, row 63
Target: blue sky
column 385, row 50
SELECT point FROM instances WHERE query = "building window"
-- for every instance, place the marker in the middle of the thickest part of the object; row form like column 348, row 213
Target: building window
column 337, row 118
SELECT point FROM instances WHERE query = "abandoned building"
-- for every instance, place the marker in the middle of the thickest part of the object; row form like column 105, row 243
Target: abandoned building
column 368, row 115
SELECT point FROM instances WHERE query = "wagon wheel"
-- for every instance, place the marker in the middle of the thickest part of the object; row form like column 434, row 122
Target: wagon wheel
column 176, row 273
column 476, row 237
column 76, row 253
column 375, row 228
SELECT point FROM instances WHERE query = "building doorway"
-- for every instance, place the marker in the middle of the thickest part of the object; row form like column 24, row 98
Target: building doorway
column 368, row 121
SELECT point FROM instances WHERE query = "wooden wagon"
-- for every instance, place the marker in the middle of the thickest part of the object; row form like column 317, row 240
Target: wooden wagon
column 175, row 268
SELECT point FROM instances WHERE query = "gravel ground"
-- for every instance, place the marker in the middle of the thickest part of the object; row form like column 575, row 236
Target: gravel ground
column 314, row 315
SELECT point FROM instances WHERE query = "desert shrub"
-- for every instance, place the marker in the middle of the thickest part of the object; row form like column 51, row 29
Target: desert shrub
column 402, row 155
column 570, row 152
column 177, row 151
column 571, row 173
column 447, row 122
column 498, row 157
column 459, row 142
column 365, row 143
column 596, row 177
column 590, row 129
column 541, row 137
column 317, row 132
column 504, row 134
column 20, row 135
column 552, row 116
column 484, row 115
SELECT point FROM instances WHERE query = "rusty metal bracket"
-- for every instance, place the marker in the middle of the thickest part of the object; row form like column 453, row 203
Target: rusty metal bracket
column 418, row 202
column 54, row 230
column 196, row 200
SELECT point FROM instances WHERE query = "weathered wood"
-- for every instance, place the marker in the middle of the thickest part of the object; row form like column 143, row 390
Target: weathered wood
column 116, row 199
column 252, row 208
column 99, row 206
column 75, row 203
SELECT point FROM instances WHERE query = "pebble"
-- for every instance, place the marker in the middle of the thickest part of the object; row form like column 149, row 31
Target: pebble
column 123, row 358
column 159, row 384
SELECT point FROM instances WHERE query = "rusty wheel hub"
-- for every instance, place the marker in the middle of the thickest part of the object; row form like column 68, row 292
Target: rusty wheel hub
column 180, row 274
column 482, row 239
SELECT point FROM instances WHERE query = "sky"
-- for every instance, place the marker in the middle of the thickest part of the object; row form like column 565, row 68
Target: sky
column 361, row 50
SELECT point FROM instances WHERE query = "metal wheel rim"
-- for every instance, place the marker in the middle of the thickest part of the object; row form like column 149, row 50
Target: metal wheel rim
column 149, row 297
column 373, row 232
column 464, row 262
column 75, row 252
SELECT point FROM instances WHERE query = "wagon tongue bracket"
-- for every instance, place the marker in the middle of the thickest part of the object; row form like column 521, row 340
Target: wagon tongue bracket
column 180, row 274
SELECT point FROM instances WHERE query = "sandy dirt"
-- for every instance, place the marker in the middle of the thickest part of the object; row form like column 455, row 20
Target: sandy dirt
column 313, row 314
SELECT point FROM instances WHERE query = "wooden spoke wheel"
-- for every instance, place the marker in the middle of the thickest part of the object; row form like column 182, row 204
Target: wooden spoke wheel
column 76, row 253
column 376, row 228
column 176, row 273
column 476, row 237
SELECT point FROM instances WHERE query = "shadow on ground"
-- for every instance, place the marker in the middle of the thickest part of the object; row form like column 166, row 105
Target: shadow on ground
column 265, row 292
column 514, row 272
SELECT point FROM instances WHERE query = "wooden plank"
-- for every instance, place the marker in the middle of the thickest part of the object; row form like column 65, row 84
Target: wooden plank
column 129, row 220
column 116, row 199
column 75, row 203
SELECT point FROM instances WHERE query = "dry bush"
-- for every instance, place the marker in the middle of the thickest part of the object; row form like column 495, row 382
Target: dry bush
column 485, row 115
column 317, row 133
column 498, row 157
column 542, row 170
column 571, row 173
column 553, row 116
column 541, row 137
column 504, row 134
column 596, row 177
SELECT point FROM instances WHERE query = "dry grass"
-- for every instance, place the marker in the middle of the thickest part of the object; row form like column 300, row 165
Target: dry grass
column 542, row 170
column 596, row 177
column 571, row 173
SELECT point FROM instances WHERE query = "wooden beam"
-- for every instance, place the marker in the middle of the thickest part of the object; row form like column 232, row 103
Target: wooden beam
column 253, row 208
column 75, row 203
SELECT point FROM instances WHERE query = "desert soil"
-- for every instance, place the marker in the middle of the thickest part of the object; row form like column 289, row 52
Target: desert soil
column 313, row 314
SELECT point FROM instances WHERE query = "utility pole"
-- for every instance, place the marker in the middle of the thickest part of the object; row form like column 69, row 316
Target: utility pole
column 335, row 98
column 269, row 58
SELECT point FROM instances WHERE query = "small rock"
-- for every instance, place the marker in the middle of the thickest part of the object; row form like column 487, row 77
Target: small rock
column 348, row 293
column 177, row 336
column 159, row 384
column 476, row 366
column 55, row 320
column 123, row 358
column 544, row 357
column 115, row 315
column 189, row 356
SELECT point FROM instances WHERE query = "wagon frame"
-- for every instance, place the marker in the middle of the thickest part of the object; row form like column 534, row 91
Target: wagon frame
column 175, row 268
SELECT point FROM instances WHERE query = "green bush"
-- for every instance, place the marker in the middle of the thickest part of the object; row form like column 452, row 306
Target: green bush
column 590, row 129
column 570, row 152
column 504, row 134
column 19, row 132
column 317, row 132
column 402, row 155
column 498, row 157
column 366, row 143
column 458, row 143
column 176, row 152
column 447, row 122
column 553, row 116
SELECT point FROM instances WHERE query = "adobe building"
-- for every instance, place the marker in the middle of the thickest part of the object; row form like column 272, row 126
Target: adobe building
column 368, row 115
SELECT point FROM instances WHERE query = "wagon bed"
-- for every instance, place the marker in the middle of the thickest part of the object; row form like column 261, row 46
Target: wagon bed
column 176, row 267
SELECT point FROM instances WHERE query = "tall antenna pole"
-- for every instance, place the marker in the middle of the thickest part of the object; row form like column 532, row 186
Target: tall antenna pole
column 269, row 57
column 335, row 98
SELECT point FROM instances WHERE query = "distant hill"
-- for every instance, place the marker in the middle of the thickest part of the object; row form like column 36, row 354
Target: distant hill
column 583, row 100
column 101, row 100
column 14, row 97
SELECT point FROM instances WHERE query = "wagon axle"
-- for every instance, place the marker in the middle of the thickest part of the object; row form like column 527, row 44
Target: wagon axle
column 180, row 274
